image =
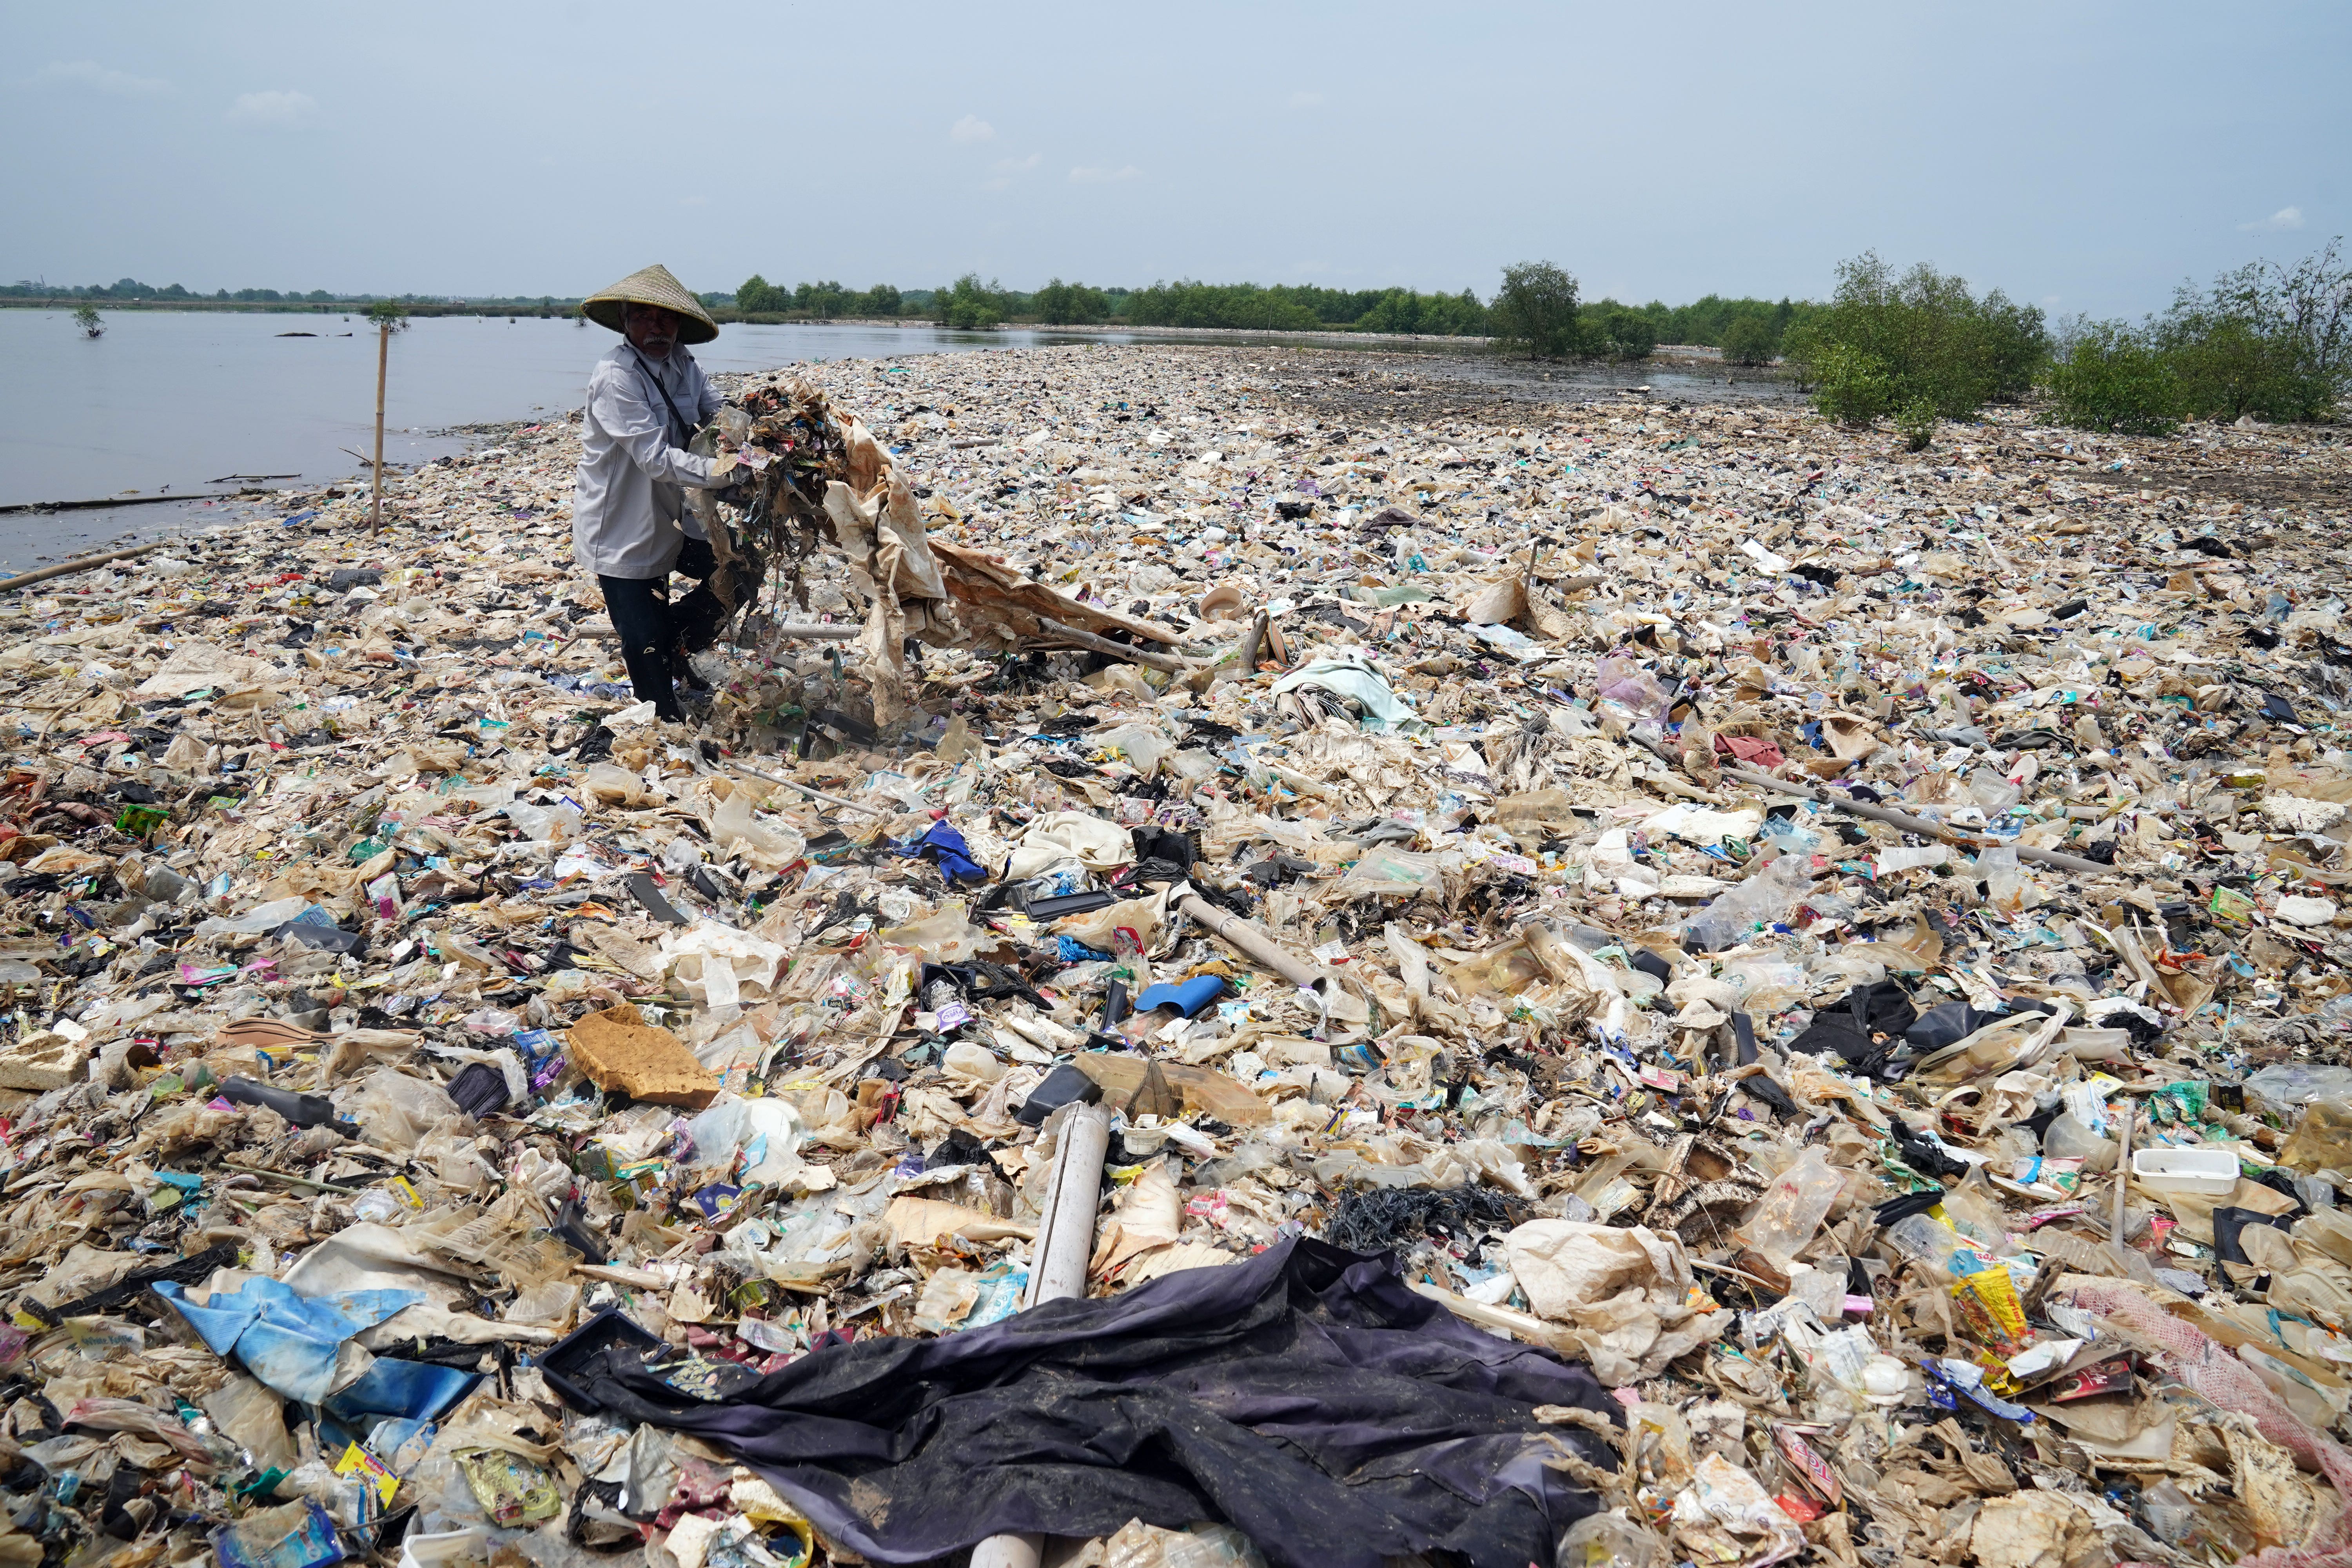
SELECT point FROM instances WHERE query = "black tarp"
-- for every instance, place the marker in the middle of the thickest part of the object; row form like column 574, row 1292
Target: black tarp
column 1305, row 1396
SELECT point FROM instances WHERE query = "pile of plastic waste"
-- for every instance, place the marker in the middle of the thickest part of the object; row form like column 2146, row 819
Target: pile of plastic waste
column 1237, row 968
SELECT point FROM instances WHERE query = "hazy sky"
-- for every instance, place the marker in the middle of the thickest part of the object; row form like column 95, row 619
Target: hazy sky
column 2085, row 156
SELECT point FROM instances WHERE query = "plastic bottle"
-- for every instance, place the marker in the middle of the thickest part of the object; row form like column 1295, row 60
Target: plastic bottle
column 2068, row 1139
column 2169, row 1512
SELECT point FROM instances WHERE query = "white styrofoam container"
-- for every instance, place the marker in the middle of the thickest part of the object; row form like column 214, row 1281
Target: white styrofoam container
column 2208, row 1171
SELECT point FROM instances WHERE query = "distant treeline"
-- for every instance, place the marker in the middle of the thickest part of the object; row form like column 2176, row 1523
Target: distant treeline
column 130, row 292
column 1752, row 327
column 1748, row 330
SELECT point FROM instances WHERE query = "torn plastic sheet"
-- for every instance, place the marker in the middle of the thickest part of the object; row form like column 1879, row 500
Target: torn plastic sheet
column 418, row 1391
column 1353, row 676
column 291, row 1342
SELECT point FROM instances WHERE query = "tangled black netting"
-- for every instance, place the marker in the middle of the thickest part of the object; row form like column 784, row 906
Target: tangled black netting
column 1378, row 1218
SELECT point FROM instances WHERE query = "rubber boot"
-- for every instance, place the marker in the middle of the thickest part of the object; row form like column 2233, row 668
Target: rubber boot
column 649, row 677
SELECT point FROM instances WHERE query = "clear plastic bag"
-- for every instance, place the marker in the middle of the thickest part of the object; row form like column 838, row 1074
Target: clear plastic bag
column 1977, row 1214
column 732, row 824
column 2169, row 1512
column 253, row 1416
column 544, row 824
column 766, row 1131
column 2007, row 883
column 1607, row 1541
column 1139, row 744
column 1623, row 680
column 1766, row 984
column 1385, row 870
column 1793, row 1208
column 2323, row 1138
column 1991, row 1050
column 947, row 937
column 2286, row 1084
column 617, row 786
column 1769, row 895
column 1142, row 1545
column 395, row 1110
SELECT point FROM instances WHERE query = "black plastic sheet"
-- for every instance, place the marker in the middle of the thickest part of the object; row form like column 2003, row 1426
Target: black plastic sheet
column 1305, row 1396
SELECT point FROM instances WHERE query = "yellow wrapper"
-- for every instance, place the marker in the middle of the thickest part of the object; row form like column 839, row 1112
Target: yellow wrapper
column 358, row 1462
column 1989, row 1304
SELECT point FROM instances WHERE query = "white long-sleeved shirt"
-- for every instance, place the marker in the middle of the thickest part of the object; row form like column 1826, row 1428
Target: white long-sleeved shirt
column 629, row 517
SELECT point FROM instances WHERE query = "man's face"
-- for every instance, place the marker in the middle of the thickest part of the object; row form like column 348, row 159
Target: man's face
column 652, row 329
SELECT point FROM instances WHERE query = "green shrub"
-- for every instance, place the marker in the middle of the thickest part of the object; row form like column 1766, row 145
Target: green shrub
column 1439, row 315
column 2111, row 376
column 1849, row 385
column 1916, row 424
column 1618, row 331
column 1750, row 340
column 969, row 305
column 2264, row 340
column 1534, row 313
column 755, row 296
column 1064, row 304
column 1925, row 335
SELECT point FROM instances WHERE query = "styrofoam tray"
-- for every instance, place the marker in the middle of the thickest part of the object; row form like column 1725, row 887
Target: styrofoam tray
column 2213, row 1171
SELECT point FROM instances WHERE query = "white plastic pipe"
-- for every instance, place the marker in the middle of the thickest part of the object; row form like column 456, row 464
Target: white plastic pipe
column 1065, row 1245
column 1065, row 1233
column 1249, row 940
column 1009, row 1552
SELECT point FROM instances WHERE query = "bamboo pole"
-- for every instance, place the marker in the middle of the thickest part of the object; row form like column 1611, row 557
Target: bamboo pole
column 1909, row 824
column 814, row 793
column 382, row 359
column 1087, row 639
column 79, row 563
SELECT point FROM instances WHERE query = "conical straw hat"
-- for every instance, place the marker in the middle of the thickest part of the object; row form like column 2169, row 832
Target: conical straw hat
column 651, row 286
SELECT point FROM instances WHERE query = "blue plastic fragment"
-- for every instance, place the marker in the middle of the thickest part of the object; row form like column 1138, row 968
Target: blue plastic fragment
column 1187, row 996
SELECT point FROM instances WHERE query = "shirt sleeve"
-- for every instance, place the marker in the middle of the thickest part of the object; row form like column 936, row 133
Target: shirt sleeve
column 619, row 406
column 706, row 401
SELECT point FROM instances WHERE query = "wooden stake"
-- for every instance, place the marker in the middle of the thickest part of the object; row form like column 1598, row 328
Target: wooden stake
column 383, row 355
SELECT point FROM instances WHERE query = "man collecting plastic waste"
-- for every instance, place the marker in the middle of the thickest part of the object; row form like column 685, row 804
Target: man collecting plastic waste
column 630, row 522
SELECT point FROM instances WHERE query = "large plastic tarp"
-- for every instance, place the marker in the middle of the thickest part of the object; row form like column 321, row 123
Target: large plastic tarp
column 1306, row 1395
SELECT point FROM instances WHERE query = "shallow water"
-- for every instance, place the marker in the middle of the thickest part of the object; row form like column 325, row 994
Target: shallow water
column 191, row 401
column 177, row 401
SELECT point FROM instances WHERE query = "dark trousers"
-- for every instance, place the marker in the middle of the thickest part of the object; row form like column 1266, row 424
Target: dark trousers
column 657, row 636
